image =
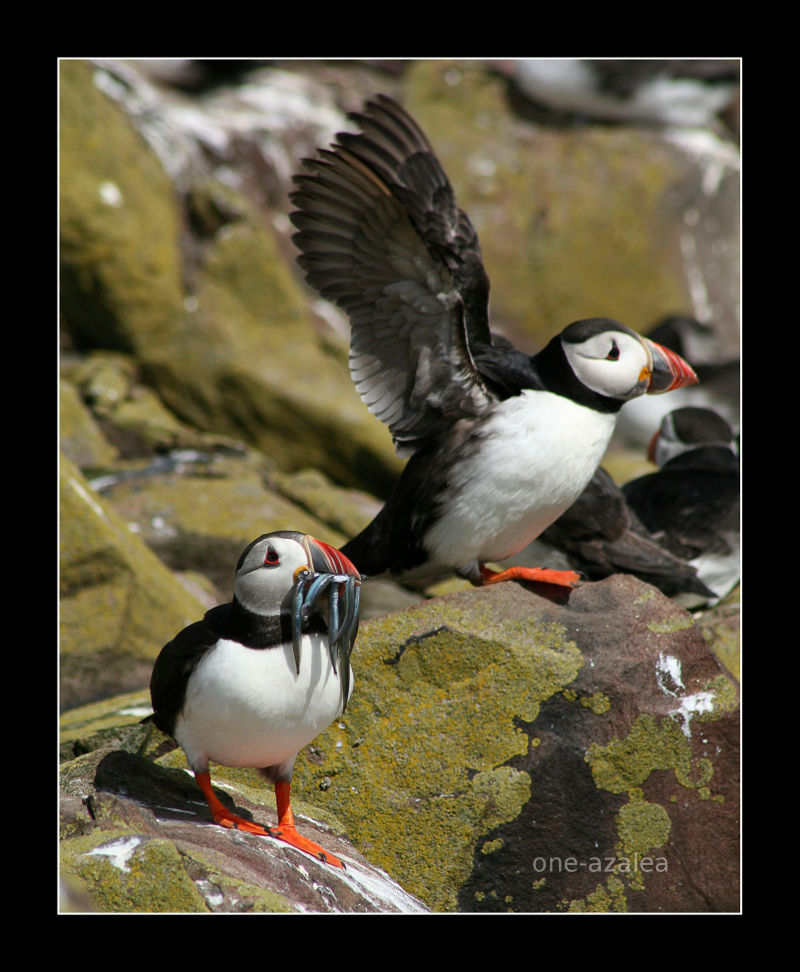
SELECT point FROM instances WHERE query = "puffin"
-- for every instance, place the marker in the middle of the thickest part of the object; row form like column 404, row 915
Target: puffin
column 499, row 443
column 601, row 535
column 691, row 505
column 260, row 677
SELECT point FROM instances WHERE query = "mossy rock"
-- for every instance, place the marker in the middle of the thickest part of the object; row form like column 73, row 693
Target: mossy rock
column 412, row 758
column 131, row 873
column 219, row 324
column 115, row 593
column 81, row 438
column 120, row 223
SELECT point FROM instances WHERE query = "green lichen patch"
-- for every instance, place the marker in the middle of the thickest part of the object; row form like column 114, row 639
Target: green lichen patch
column 123, row 871
column 491, row 846
column 239, row 896
column 721, row 630
column 127, row 872
column 642, row 826
column 436, row 715
column 597, row 702
column 724, row 698
column 624, row 764
column 652, row 744
column 670, row 625
column 608, row 897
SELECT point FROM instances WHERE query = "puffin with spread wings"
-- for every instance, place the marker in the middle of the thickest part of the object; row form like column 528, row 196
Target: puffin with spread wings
column 500, row 443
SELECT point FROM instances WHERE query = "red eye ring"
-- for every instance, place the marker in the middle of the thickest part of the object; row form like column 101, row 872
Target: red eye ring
column 271, row 559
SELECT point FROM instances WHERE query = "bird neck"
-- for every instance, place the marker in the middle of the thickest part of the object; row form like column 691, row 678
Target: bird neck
column 258, row 630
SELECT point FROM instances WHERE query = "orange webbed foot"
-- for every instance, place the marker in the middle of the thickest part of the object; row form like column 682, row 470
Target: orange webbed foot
column 286, row 830
column 234, row 822
column 290, row 835
column 538, row 575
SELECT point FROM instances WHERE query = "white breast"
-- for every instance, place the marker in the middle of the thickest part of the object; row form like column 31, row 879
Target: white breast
column 539, row 452
column 249, row 707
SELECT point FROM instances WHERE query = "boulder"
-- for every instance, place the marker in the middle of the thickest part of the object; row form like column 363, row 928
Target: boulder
column 210, row 307
column 115, row 592
column 501, row 753
column 584, row 220
column 134, row 839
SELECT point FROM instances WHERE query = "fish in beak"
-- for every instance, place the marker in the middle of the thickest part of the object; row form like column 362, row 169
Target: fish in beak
column 667, row 370
column 328, row 571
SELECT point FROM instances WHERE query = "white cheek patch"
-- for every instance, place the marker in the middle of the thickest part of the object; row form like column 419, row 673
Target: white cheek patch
column 624, row 376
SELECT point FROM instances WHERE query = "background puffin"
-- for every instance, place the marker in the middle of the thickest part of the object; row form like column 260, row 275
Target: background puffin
column 691, row 505
column 718, row 371
column 601, row 535
column 500, row 443
column 258, row 678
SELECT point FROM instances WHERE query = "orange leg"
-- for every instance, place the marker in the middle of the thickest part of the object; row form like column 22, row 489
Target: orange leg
column 540, row 575
column 287, row 831
column 221, row 814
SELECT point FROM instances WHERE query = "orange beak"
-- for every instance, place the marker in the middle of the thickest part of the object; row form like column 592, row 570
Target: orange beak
column 668, row 370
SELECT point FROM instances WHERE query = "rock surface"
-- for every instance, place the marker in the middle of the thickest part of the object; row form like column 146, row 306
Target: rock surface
column 139, row 839
column 501, row 752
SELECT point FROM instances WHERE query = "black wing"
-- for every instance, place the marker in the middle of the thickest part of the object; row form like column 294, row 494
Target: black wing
column 177, row 661
column 381, row 235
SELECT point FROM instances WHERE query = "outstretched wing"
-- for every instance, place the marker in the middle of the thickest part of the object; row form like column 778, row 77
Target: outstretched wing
column 381, row 235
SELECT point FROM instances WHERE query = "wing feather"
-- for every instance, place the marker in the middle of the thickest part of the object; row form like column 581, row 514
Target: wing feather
column 381, row 235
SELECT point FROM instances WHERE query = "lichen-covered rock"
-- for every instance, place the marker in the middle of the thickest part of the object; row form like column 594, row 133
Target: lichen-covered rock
column 81, row 439
column 115, row 593
column 129, row 414
column 198, row 512
column 501, row 753
column 492, row 730
column 721, row 627
column 135, row 838
column 634, row 771
column 120, row 224
column 218, row 322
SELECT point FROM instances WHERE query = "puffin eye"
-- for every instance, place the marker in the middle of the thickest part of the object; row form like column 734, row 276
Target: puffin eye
column 271, row 559
column 613, row 354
